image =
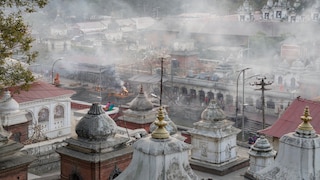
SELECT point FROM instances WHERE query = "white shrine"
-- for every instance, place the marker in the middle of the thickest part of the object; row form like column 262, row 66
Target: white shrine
column 298, row 156
column 159, row 156
column 261, row 155
column 214, row 141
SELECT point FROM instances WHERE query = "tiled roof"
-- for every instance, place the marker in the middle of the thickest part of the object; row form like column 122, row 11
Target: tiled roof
column 290, row 119
column 40, row 90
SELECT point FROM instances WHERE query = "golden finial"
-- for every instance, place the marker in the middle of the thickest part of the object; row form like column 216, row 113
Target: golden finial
column 306, row 118
column 160, row 132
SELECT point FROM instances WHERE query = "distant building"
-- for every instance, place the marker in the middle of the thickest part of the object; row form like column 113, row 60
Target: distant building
column 289, row 120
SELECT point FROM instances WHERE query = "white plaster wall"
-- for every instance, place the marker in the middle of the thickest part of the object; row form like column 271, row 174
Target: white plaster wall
column 258, row 163
column 49, row 128
column 166, row 167
column 213, row 150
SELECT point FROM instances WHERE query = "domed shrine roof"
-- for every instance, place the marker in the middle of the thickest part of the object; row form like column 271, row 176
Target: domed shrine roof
column 141, row 102
column 213, row 112
column 8, row 104
column 96, row 124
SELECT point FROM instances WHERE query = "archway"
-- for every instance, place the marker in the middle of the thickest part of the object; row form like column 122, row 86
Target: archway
column 184, row 91
column 220, row 96
column 201, row 95
column 210, row 95
column 271, row 104
column 193, row 93
column 175, row 90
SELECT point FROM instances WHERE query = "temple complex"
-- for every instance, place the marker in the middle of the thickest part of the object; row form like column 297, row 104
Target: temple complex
column 298, row 154
column 140, row 113
column 98, row 151
column 169, row 156
column 214, row 141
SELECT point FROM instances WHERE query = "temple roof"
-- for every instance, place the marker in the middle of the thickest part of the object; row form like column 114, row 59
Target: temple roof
column 290, row 119
column 213, row 112
column 8, row 104
column 96, row 125
column 141, row 102
column 39, row 90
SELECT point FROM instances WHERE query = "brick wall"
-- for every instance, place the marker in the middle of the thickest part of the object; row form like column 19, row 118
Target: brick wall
column 71, row 166
column 14, row 173
column 75, row 105
column 19, row 131
column 131, row 125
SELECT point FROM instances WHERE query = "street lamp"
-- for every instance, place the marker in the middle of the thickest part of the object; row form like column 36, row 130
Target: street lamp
column 53, row 67
column 237, row 101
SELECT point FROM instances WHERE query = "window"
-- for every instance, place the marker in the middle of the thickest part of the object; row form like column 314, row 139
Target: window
column 59, row 112
column 43, row 115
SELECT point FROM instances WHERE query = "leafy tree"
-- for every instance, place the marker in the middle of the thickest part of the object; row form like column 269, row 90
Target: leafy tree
column 15, row 38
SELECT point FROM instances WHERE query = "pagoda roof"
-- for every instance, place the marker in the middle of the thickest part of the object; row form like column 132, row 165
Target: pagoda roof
column 39, row 90
column 290, row 119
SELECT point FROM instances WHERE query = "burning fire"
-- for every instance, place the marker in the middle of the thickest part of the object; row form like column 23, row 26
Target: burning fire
column 124, row 91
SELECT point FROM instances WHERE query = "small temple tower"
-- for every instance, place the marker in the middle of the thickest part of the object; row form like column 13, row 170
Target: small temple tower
column 13, row 120
column 159, row 156
column 140, row 113
column 98, row 152
column 13, row 163
column 298, row 155
column 261, row 155
column 214, row 141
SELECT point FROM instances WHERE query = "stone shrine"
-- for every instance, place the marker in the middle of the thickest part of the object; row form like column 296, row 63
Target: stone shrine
column 13, row 119
column 214, row 141
column 298, row 155
column 169, row 157
column 140, row 113
column 261, row 155
column 98, row 152
column 13, row 163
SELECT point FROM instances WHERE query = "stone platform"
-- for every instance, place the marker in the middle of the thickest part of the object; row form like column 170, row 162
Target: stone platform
column 220, row 169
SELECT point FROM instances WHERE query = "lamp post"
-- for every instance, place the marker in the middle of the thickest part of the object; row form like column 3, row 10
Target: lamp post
column 237, row 101
column 53, row 67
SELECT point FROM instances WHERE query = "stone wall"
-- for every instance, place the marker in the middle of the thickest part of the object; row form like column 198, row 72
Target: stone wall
column 47, row 158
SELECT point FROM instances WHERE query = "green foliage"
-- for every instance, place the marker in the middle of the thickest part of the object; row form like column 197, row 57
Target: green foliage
column 15, row 38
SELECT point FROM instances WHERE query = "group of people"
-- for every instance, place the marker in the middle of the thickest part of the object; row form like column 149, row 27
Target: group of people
column 109, row 106
column 252, row 139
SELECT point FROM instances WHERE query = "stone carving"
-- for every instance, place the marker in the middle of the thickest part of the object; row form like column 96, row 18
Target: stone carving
column 228, row 151
column 204, row 149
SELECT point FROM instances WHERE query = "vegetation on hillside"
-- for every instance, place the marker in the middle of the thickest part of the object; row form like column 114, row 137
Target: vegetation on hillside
column 15, row 39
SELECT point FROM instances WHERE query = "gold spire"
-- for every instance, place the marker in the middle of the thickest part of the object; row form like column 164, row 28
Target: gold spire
column 160, row 132
column 306, row 118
